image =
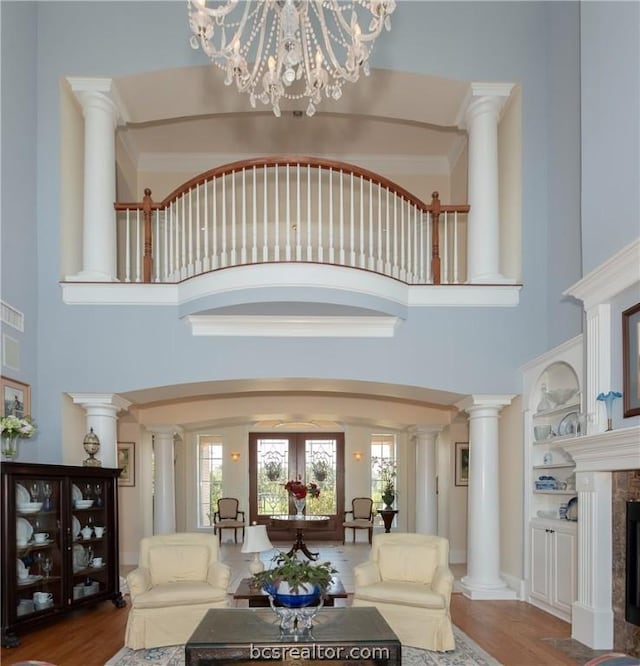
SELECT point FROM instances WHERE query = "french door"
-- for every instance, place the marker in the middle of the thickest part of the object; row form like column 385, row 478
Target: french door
column 275, row 459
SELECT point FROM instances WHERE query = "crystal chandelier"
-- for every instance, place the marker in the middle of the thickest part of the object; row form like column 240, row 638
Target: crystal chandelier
column 292, row 49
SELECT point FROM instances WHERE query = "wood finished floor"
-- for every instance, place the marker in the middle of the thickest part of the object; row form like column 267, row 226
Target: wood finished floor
column 511, row 631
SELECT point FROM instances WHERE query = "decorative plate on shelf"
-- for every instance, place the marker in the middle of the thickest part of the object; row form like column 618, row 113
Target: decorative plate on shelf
column 75, row 527
column 76, row 493
column 22, row 494
column 572, row 509
column 568, row 425
column 24, row 530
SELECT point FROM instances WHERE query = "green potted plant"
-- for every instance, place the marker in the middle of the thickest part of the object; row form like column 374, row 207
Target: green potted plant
column 387, row 474
column 294, row 582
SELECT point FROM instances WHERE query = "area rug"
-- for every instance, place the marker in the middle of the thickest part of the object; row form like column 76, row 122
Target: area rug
column 467, row 653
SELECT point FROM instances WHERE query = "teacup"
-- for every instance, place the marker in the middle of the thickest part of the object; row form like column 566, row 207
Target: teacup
column 96, row 562
column 86, row 532
column 99, row 532
column 42, row 597
column 23, row 574
column 40, row 537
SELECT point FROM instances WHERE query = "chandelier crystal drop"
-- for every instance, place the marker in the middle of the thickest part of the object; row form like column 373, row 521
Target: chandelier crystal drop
column 291, row 49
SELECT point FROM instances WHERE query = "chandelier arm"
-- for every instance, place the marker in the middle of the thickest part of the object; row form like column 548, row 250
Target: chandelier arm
column 225, row 10
column 258, row 63
column 342, row 71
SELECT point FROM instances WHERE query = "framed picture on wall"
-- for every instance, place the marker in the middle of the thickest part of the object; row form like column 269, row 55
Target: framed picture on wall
column 127, row 463
column 462, row 464
column 16, row 398
column 631, row 361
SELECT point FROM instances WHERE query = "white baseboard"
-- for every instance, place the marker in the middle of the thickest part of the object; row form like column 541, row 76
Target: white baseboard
column 516, row 584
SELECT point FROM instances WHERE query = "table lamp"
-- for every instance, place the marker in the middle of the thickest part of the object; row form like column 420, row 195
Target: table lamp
column 256, row 541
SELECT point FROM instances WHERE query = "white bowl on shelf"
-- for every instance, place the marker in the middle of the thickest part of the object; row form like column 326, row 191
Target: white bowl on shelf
column 84, row 504
column 561, row 396
column 541, row 432
column 29, row 507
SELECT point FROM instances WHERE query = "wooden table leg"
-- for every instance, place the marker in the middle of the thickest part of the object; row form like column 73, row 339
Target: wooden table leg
column 301, row 545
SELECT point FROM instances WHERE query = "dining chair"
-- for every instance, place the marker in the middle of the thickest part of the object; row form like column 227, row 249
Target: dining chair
column 361, row 517
column 228, row 517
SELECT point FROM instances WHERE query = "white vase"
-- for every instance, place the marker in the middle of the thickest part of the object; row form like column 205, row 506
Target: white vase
column 299, row 504
column 9, row 447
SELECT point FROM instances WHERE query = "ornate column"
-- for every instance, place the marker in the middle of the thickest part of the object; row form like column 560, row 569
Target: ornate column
column 483, row 236
column 102, row 415
column 426, row 495
column 483, row 541
column 598, row 361
column 99, row 222
column 164, row 499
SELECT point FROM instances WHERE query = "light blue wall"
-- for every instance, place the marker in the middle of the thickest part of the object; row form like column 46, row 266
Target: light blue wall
column 463, row 350
column 19, row 255
column 610, row 48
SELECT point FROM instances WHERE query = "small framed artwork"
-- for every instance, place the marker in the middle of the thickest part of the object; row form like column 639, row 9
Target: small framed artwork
column 16, row 398
column 631, row 361
column 127, row 463
column 462, row 464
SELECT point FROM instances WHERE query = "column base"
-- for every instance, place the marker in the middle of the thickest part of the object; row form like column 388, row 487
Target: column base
column 477, row 591
column 592, row 626
column 90, row 276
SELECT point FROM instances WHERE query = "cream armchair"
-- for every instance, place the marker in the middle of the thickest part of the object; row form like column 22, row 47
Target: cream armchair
column 407, row 578
column 179, row 577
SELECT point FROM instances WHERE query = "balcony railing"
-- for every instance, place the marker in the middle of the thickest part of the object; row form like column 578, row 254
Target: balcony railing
column 296, row 209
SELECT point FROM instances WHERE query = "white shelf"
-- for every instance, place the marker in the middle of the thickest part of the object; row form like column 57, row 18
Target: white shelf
column 555, row 492
column 558, row 410
column 554, row 466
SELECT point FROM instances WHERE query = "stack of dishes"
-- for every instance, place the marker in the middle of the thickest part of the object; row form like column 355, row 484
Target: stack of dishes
column 29, row 507
column 83, row 503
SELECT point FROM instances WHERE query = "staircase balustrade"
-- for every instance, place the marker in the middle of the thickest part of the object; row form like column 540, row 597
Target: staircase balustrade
column 291, row 210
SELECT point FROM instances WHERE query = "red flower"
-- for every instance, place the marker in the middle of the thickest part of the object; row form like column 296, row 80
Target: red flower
column 300, row 490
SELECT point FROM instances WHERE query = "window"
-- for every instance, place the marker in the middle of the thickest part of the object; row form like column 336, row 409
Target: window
column 383, row 462
column 209, row 478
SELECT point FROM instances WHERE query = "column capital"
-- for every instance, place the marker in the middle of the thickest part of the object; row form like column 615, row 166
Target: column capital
column 164, row 429
column 480, row 401
column 424, row 430
column 483, row 97
column 95, row 90
column 104, row 400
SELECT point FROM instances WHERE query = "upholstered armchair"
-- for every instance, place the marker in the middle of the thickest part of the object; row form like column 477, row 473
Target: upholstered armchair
column 228, row 517
column 179, row 577
column 407, row 578
column 361, row 517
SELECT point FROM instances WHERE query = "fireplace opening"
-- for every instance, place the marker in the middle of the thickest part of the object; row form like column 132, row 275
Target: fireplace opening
column 632, row 603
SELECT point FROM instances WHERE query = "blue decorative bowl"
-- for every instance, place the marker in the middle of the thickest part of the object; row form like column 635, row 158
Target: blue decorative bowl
column 295, row 600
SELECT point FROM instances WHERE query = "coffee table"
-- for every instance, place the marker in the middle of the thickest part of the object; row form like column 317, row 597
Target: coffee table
column 259, row 599
column 235, row 635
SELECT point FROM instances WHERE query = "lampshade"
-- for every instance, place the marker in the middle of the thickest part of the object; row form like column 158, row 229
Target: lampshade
column 256, row 539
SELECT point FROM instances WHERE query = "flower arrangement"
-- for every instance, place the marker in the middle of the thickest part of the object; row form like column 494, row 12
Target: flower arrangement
column 387, row 473
column 15, row 427
column 300, row 490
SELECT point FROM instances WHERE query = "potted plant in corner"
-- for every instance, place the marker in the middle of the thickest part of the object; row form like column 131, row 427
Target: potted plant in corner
column 293, row 582
column 387, row 472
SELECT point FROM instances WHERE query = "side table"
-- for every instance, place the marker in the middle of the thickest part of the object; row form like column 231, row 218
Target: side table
column 387, row 518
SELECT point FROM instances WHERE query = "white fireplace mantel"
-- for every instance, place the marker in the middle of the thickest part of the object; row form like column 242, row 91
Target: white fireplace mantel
column 596, row 457
column 606, row 451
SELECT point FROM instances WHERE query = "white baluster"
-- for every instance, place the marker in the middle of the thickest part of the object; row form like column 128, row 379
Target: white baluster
column 276, row 217
column 394, row 271
column 298, row 218
column 309, row 233
column 206, row 263
column 403, row 265
column 215, row 263
column 165, row 240
column 379, row 266
column 223, row 249
column 444, row 278
column 342, row 253
column 331, row 248
column 265, row 231
column 371, row 246
column 387, row 231
column 456, row 276
column 155, row 240
column 127, row 247
column 190, row 241
column 352, row 223
column 243, row 249
column 421, row 245
column 183, row 237
column 234, row 221
column 171, row 241
column 287, row 250
column 363, row 262
column 139, row 234
column 428, row 277
column 254, row 244
column 198, row 259
column 320, row 248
